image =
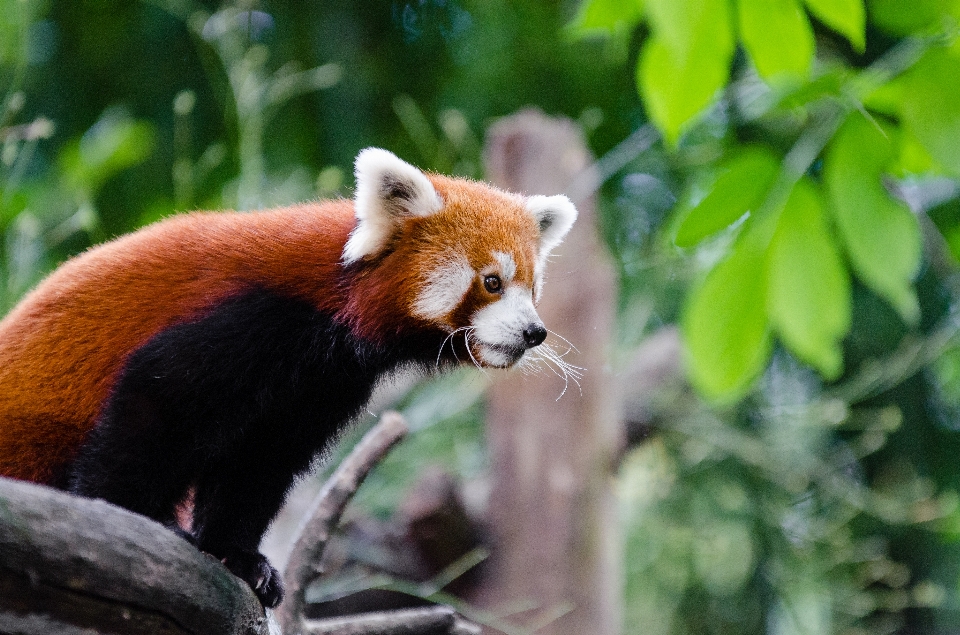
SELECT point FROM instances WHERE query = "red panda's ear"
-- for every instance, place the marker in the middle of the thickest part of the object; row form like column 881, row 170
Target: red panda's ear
column 388, row 189
column 554, row 216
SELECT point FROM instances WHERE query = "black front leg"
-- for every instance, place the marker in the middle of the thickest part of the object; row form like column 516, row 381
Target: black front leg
column 235, row 504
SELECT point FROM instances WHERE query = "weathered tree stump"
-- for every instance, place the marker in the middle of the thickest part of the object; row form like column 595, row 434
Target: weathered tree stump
column 554, row 541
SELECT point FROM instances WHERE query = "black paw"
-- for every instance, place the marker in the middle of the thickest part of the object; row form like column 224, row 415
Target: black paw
column 254, row 569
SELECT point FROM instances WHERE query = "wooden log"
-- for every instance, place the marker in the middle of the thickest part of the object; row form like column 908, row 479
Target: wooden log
column 72, row 565
column 555, row 544
column 79, row 566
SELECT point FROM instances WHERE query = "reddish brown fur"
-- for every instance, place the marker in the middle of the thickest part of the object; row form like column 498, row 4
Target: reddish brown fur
column 63, row 346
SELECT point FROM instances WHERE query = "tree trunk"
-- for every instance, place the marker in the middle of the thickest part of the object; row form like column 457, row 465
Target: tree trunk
column 555, row 546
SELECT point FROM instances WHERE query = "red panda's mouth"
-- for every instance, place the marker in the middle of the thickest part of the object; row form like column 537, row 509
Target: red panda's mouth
column 499, row 355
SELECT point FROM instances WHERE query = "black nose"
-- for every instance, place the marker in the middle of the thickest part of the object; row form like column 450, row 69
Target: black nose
column 534, row 335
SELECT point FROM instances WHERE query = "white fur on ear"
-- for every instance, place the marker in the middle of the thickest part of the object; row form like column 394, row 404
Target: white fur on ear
column 555, row 216
column 388, row 189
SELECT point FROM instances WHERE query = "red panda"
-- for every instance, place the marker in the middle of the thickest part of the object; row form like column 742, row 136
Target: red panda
column 219, row 353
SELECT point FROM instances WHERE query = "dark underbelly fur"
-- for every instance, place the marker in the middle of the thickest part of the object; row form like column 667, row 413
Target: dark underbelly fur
column 235, row 405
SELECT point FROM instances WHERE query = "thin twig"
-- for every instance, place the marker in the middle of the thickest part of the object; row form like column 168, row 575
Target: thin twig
column 913, row 354
column 439, row 620
column 589, row 180
column 284, row 87
column 325, row 512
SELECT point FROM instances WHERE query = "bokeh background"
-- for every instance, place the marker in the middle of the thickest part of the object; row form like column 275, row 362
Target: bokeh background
column 779, row 197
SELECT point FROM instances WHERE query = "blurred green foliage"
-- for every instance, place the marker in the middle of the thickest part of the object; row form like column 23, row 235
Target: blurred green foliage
column 822, row 138
column 800, row 222
column 249, row 104
column 813, row 148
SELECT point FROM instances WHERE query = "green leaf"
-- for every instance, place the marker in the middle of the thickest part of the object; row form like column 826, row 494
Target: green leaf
column 886, row 98
column 686, row 61
column 741, row 186
column 689, row 25
column 808, row 287
column 931, row 106
column 830, row 82
column 905, row 18
column 725, row 325
column 846, row 17
column 15, row 31
column 778, row 37
column 608, row 17
column 881, row 236
column 913, row 158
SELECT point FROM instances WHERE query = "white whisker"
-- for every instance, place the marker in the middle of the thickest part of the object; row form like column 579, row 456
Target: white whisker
column 545, row 359
column 528, row 365
column 576, row 371
column 453, row 348
column 466, row 339
column 565, row 341
column 569, row 372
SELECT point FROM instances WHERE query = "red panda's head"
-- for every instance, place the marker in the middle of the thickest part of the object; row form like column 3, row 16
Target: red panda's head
column 459, row 255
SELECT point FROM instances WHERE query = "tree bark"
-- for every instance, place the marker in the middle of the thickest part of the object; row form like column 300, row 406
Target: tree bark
column 68, row 564
column 555, row 543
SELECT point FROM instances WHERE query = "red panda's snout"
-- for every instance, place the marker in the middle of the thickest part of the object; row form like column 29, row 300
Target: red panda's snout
column 488, row 311
column 504, row 330
column 484, row 297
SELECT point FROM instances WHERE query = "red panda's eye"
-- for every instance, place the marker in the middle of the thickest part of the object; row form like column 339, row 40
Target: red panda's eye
column 493, row 284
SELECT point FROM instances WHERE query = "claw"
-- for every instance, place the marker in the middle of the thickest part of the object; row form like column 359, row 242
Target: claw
column 254, row 569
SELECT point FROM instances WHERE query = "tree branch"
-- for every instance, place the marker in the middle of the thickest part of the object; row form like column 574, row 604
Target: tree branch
column 325, row 511
column 432, row 620
column 69, row 564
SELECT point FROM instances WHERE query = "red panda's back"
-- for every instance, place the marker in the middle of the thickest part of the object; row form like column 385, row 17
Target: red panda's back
column 62, row 347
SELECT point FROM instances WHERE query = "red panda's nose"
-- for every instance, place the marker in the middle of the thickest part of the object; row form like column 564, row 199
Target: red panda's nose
column 534, row 334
